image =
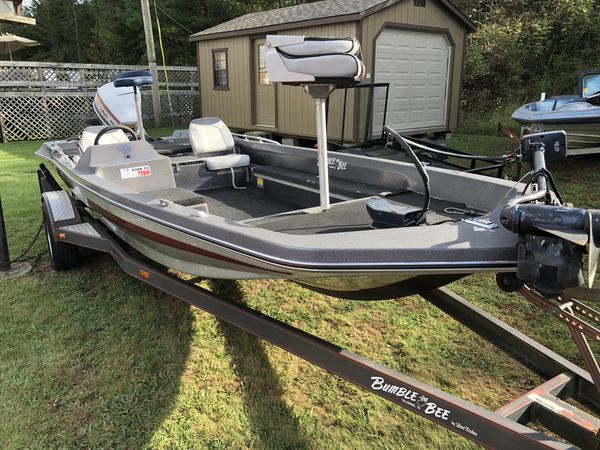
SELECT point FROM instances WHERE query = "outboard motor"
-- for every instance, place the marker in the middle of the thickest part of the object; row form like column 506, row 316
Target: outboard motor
column 115, row 105
column 552, row 236
column 119, row 102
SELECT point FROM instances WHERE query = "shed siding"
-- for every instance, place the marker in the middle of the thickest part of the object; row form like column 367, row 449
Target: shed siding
column 297, row 109
column 233, row 105
column 434, row 15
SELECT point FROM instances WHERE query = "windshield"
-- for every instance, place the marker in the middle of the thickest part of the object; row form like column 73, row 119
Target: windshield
column 591, row 84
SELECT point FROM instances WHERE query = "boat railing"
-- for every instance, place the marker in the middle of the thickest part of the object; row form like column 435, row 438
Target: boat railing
column 259, row 139
column 369, row 112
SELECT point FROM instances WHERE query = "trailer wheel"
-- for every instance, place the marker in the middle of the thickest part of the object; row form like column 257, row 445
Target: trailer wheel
column 62, row 256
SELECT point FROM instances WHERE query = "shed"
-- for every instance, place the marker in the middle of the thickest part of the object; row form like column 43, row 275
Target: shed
column 417, row 46
column 11, row 11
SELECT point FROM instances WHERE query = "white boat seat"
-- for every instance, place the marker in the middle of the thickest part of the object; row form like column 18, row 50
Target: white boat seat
column 88, row 137
column 227, row 161
column 209, row 135
column 300, row 60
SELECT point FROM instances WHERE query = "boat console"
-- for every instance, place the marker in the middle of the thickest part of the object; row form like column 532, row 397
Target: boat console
column 134, row 165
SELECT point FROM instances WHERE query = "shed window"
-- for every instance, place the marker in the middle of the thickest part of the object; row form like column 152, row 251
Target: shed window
column 263, row 73
column 421, row 3
column 220, row 74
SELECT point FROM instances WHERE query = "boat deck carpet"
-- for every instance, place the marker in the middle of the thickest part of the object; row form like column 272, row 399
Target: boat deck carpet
column 180, row 196
column 351, row 216
column 243, row 204
column 345, row 216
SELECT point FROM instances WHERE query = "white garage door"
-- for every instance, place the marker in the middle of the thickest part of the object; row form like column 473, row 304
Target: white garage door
column 416, row 64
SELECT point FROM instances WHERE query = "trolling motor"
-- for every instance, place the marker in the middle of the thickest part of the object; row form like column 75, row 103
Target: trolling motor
column 552, row 236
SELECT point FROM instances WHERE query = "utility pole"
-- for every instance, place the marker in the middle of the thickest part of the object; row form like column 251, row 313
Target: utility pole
column 152, row 62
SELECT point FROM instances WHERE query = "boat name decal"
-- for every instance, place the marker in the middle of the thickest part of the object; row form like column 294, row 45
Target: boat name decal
column 135, row 172
column 418, row 401
column 337, row 164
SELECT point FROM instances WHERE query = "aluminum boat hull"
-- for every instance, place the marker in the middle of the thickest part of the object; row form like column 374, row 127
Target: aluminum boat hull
column 369, row 264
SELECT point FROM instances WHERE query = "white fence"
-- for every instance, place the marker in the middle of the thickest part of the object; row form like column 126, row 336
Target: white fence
column 54, row 100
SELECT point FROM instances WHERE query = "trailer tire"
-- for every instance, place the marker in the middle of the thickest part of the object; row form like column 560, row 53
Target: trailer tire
column 62, row 256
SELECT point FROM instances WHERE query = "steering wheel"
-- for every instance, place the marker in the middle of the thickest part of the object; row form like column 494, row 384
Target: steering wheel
column 105, row 130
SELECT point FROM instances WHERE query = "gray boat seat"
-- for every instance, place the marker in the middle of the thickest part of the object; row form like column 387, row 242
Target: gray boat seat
column 322, row 46
column 326, row 67
column 210, row 136
column 299, row 59
column 134, row 78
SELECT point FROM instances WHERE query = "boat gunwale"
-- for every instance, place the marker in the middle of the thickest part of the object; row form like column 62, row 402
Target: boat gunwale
column 466, row 266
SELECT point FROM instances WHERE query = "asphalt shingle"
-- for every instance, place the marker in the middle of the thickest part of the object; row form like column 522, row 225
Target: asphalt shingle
column 290, row 14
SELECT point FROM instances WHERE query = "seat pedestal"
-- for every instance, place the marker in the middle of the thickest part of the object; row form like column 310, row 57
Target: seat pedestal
column 321, row 92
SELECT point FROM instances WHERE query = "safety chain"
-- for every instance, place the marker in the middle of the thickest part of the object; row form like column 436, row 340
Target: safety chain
column 23, row 256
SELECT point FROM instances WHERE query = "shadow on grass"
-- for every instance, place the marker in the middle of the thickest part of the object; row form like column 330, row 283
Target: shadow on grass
column 272, row 419
column 98, row 359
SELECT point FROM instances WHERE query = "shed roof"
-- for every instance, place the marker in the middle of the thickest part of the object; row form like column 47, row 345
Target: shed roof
column 324, row 11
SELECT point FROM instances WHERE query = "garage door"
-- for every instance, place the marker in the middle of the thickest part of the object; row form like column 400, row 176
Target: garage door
column 416, row 64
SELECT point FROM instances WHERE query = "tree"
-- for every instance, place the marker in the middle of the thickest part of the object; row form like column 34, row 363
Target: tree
column 111, row 31
column 524, row 47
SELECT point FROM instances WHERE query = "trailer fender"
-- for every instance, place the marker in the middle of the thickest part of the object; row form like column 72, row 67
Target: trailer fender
column 60, row 209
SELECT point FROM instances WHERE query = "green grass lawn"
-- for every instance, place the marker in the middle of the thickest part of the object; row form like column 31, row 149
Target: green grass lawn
column 94, row 359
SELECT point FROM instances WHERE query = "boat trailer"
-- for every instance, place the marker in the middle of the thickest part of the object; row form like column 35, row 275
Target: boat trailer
column 70, row 226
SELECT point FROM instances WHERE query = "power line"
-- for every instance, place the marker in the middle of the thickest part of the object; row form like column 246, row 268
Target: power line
column 63, row 19
column 174, row 20
column 162, row 51
column 76, row 32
